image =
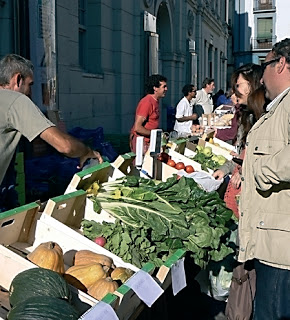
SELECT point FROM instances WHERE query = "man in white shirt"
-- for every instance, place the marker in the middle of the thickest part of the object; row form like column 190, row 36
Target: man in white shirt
column 184, row 114
column 203, row 98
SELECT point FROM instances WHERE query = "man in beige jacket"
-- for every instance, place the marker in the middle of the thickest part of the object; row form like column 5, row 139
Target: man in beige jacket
column 264, row 226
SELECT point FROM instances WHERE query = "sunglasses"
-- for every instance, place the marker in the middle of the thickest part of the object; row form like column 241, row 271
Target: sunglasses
column 265, row 64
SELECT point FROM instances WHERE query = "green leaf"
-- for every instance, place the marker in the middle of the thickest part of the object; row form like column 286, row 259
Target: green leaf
column 218, row 255
column 126, row 237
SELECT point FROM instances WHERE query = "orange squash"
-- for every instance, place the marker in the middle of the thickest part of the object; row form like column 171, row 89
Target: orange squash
column 84, row 276
column 122, row 274
column 83, row 257
column 48, row 255
column 101, row 287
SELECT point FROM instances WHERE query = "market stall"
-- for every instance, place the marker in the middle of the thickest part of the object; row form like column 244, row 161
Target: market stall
column 148, row 226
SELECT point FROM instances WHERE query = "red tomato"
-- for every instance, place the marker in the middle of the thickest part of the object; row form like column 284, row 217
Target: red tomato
column 189, row 169
column 180, row 166
column 171, row 163
column 164, row 157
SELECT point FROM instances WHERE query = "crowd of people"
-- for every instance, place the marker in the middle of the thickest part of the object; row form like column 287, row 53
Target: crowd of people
column 258, row 191
column 260, row 96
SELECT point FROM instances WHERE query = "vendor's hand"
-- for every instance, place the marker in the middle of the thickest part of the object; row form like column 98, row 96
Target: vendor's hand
column 218, row 174
column 215, row 131
column 92, row 154
column 236, row 180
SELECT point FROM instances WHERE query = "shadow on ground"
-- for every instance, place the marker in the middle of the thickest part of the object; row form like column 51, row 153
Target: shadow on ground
column 190, row 303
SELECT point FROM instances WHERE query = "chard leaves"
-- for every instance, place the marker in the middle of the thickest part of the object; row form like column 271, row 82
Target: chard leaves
column 154, row 219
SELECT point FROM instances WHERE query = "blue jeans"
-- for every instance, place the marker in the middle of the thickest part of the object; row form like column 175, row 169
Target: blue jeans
column 272, row 301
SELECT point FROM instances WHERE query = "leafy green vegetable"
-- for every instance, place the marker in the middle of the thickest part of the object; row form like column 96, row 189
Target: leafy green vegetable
column 154, row 219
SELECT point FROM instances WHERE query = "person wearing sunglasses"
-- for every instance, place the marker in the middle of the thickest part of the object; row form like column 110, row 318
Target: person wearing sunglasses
column 264, row 224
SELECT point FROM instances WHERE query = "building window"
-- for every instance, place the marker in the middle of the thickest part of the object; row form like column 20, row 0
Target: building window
column 264, row 38
column 264, row 29
column 82, row 34
column 264, row 4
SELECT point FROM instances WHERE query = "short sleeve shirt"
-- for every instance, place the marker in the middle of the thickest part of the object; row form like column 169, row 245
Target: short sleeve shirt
column 148, row 108
column 18, row 116
column 204, row 99
column 183, row 109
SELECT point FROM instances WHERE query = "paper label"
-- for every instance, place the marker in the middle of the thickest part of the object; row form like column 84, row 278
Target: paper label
column 178, row 276
column 146, row 288
column 101, row 311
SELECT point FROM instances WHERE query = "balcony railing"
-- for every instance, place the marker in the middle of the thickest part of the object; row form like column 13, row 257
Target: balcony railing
column 264, row 5
column 263, row 43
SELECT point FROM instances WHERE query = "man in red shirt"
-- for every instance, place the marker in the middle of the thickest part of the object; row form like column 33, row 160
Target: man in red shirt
column 147, row 112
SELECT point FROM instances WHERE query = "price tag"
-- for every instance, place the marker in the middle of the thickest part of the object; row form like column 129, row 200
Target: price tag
column 101, row 311
column 178, row 276
column 146, row 288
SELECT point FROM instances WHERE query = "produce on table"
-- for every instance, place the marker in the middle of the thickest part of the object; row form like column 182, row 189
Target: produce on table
column 101, row 287
column 84, row 257
column 93, row 189
column 90, row 268
column 43, row 308
column 171, row 163
column 189, row 169
column 38, row 282
column 122, row 274
column 83, row 276
column 153, row 219
column 207, row 159
column 180, row 166
column 163, row 156
column 48, row 255
column 101, row 241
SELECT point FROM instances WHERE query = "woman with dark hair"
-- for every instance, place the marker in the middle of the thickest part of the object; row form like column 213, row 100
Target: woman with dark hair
column 248, row 90
column 256, row 107
column 244, row 80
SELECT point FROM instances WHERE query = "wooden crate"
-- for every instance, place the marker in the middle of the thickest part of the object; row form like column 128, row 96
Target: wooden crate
column 185, row 159
column 21, row 231
column 223, row 149
column 70, row 208
column 24, row 228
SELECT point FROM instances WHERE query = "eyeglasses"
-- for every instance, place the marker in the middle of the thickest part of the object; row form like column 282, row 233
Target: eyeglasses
column 265, row 64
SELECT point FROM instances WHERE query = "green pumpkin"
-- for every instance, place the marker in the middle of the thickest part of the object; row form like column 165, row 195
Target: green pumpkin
column 38, row 282
column 43, row 308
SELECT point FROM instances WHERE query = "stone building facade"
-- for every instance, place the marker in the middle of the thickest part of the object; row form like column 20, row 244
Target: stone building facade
column 98, row 53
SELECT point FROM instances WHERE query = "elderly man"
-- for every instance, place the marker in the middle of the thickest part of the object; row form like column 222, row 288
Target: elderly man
column 264, row 226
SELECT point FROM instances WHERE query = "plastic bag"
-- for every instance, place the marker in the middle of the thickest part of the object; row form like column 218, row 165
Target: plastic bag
column 209, row 183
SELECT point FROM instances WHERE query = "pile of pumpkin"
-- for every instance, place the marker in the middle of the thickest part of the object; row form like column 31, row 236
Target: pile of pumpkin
column 91, row 272
column 96, row 274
